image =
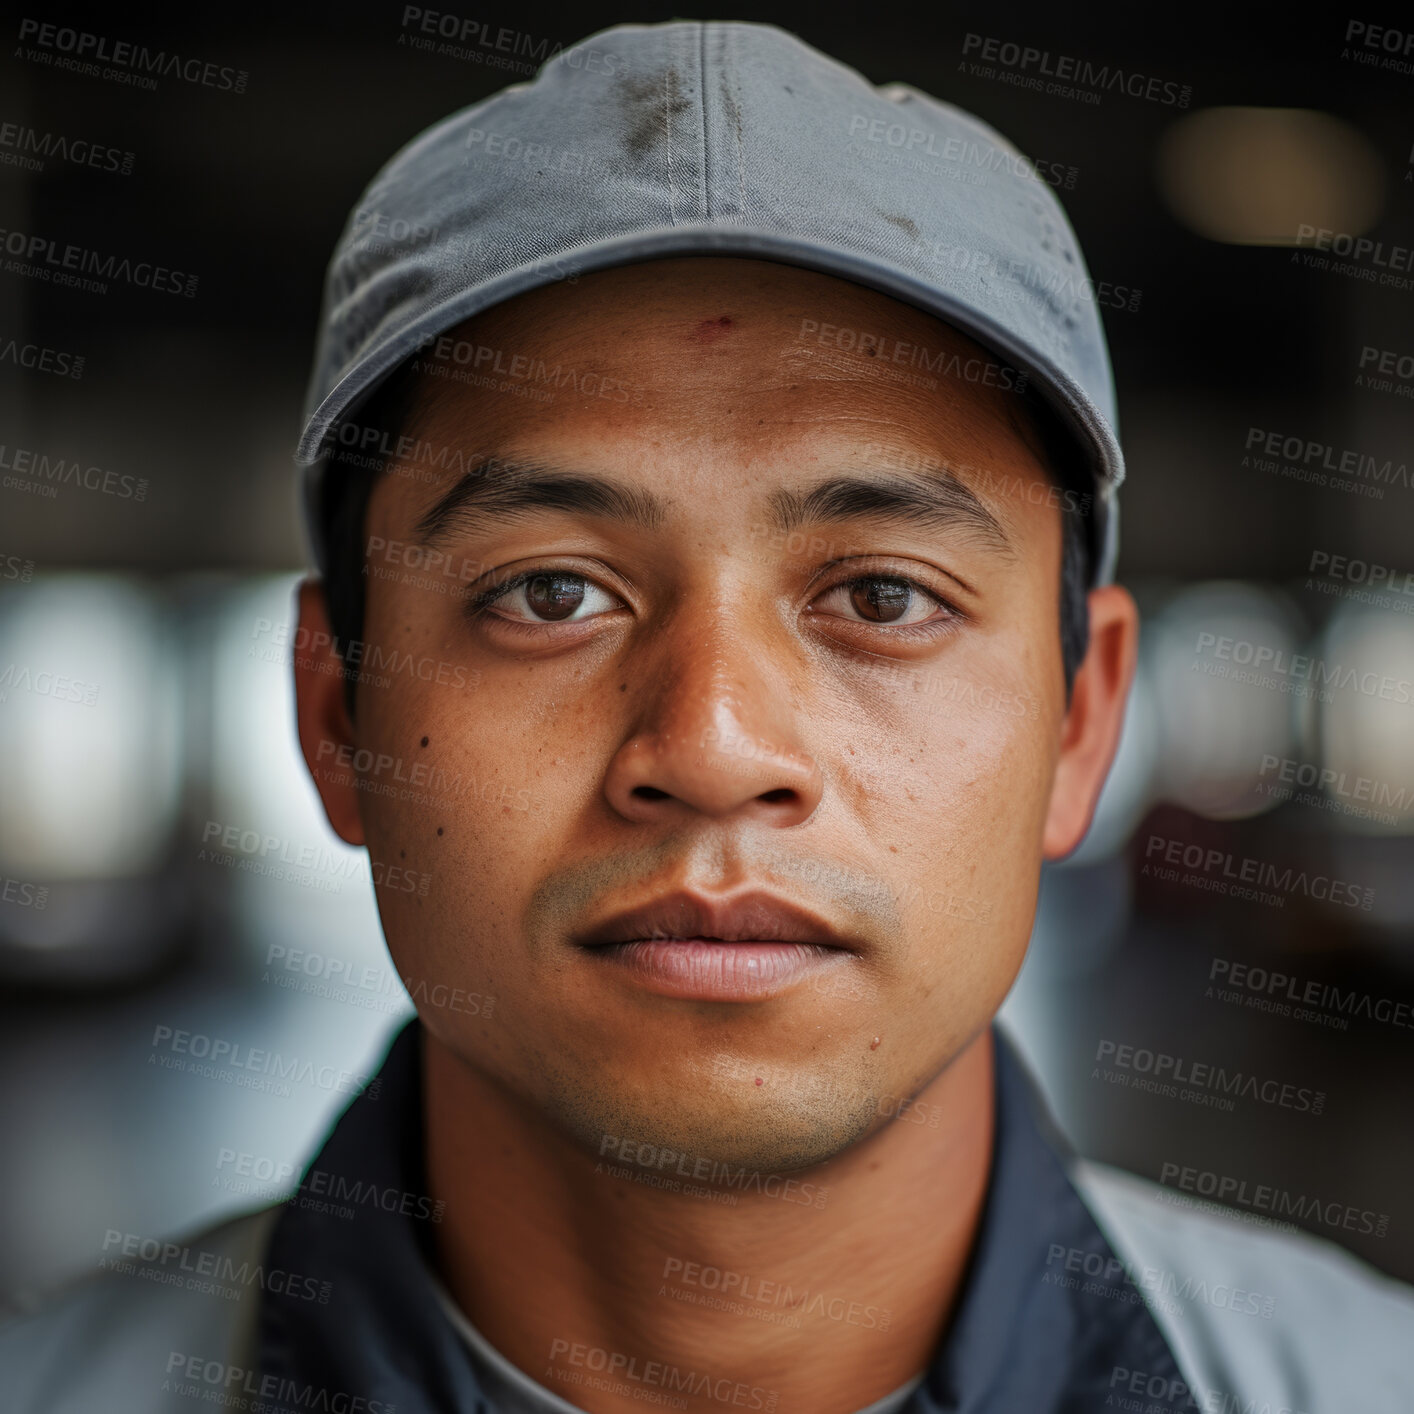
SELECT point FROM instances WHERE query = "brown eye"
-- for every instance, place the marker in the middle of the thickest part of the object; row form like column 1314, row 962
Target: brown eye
column 545, row 596
column 881, row 600
column 554, row 596
column 885, row 600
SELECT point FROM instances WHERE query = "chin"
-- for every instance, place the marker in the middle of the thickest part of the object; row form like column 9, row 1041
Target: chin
column 681, row 1132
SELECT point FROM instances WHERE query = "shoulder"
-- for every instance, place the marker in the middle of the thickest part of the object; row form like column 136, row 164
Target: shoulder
column 1253, row 1314
column 117, row 1340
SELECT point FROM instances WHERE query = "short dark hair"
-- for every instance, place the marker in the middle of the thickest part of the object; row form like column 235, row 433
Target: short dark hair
column 349, row 475
column 345, row 484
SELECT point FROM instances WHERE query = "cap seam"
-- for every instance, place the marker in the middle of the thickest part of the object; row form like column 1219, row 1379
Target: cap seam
column 702, row 111
column 668, row 75
column 728, row 34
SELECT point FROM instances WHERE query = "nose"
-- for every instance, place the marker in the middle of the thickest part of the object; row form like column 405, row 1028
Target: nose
column 716, row 735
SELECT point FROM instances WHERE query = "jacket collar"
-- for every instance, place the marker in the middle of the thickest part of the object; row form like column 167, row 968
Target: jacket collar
column 1027, row 1334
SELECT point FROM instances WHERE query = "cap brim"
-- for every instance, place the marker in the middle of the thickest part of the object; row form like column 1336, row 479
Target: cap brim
column 1063, row 393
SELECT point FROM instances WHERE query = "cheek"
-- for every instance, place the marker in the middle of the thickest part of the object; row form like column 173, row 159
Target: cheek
column 504, row 785
column 964, row 817
column 454, row 810
column 955, row 750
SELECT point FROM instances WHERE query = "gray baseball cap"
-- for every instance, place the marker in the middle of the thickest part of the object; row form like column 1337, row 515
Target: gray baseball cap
column 725, row 138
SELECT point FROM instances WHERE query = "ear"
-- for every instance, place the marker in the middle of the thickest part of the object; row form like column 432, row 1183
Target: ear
column 1091, row 728
column 326, row 733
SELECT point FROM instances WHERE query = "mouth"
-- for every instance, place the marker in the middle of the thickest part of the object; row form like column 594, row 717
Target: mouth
column 750, row 948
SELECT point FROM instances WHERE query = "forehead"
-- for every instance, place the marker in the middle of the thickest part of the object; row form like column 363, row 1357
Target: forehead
column 709, row 356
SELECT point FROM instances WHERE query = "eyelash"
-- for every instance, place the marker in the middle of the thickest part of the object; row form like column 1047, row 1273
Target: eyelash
column 929, row 628
column 480, row 603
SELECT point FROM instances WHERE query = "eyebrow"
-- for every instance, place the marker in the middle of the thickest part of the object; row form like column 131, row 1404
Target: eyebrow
column 937, row 500
column 496, row 489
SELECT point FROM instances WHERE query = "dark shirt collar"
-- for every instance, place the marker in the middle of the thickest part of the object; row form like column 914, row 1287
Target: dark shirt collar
column 1026, row 1335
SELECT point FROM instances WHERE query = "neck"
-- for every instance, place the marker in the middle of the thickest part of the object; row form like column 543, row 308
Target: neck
column 603, row 1288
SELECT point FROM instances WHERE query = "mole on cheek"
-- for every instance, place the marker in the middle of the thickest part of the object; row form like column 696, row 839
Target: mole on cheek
column 710, row 330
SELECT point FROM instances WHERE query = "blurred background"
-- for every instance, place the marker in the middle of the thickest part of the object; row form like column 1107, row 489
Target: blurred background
column 150, row 783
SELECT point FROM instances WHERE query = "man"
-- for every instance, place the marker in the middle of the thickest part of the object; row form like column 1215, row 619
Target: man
column 729, row 512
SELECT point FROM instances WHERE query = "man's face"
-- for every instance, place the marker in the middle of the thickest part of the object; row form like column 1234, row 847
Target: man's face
column 780, row 619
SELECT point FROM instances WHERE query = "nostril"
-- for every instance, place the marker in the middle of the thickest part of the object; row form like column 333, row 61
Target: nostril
column 776, row 797
column 649, row 793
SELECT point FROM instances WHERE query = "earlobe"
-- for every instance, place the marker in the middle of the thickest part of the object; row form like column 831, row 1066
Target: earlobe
column 326, row 733
column 1091, row 729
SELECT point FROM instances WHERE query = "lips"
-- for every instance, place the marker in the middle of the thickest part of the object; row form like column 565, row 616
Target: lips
column 754, row 917
column 752, row 948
